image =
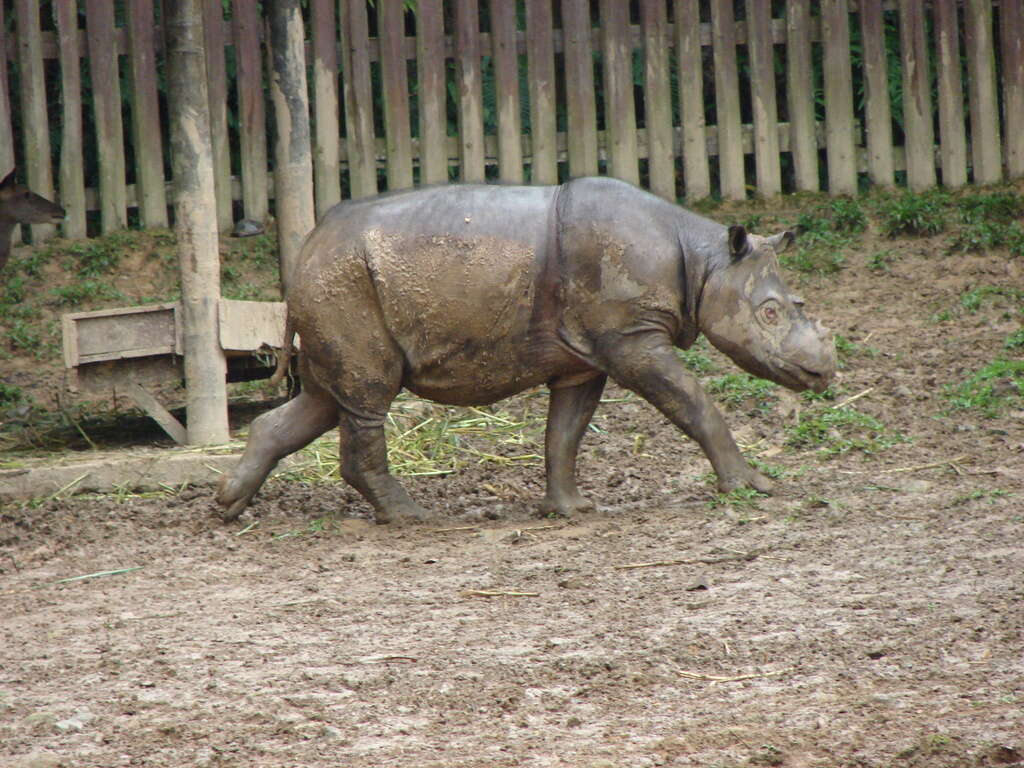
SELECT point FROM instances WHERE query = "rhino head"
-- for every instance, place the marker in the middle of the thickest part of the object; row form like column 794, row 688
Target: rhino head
column 748, row 313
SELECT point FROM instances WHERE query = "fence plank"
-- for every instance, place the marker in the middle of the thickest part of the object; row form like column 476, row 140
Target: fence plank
column 696, row 173
column 217, row 88
column 362, row 149
column 72, row 166
column 799, row 85
column 952, row 140
column 766, row 114
column 252, row 113
column 917, row 100
column 38, row 166
column 540, row 54
column 469, row 88
column 839, row 141
column 506, row 87
column 430, row 81
column 579, row 87
column 6, row 132
column 395, row 82
column 1011, row 22
column 327, row 138
column 727, row 101
column 877, row 109
column 150, row 192
column 981, row 75
column 661, row 162
column 619, row 106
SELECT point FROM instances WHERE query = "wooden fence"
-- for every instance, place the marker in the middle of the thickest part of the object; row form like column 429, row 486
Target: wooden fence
column 686, row 97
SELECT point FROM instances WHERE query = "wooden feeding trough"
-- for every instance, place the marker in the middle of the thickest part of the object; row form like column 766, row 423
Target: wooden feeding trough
column 129, row 349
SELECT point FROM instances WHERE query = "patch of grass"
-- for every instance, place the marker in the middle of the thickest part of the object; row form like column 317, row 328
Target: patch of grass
column 835, row 431
column 24, row 336
column 739, row 389
column 979, row 494
column 880, row 261
column 1015, row 340
column 10, row 395
column 973, row 299
column 998, row 205
column 696, row 358
column 990, row 391
column 741, row 498
column 846, row 348
column 73, row 294
column 824, row 232
column 912, row 213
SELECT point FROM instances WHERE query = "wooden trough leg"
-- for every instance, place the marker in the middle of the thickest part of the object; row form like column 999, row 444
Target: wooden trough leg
column 160, row 415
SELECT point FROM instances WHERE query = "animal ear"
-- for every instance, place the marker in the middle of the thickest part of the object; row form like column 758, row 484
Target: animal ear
column 738, row 244
column 782, row 241
column 8, row 180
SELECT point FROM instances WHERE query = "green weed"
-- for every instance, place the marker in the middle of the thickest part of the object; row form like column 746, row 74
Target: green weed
column 880, row 261
column 741, row 498
column 739, row 389
column 73, row 294
column 1015, row 340
column 696, row 358
column 835, row 431
column 997, row 386
column 912, row 213
column 10, row 394
column 973, row 299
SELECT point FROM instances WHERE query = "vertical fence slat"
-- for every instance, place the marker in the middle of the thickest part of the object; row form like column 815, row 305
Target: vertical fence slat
column 106, row 91
column 803, row 141
column 395, row 82
column 696, row 172
column 917, row 100
column 149, row 158
column 362, row 149
column 252, row 112
column 506, row 87
column 469, row 86
column 839, row 140
column 986, row 147
column 727, row 101
column 619, row 106
column 765, row 108
column 540, row 54
column 430, row 83
column 35, row 123
column 580, row 105
column 217, row 87
column 327, row 138
column 72, row 167
column 658, row 100
column 952, row 140
column 1011, row 22
column 877, row 109
column 6, row 132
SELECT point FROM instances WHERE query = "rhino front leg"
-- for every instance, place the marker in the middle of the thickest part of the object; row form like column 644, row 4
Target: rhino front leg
column 647, row 364
column 569, row 412
column 273, row 436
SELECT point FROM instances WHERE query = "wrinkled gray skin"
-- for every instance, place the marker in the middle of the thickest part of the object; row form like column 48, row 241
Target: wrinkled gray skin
column 468, row 294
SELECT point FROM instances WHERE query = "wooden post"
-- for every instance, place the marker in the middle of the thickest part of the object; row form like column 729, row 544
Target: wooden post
column 35, row 122
column 251, row 114
column 196, row 223
column 661, row 161
column 293, row 167
column 217, row 85
column 839, row 142
column 952, row 140
column 72, row 167
column 917, row 99
column 696, row 173
column 540, row 54
column 803, row 139
column 150, row 192
column 878, row 111
column 619, row 106
column 395, row 82
column 731, row 174
column 1011, row 22
column 327, row 141
column 6, row 131
column 470, row 90
column 506, row 88
column 766, row 114
column 579, row 88
column 359, row 137
column 431, row 82
column 986, row 146
column 106, row 92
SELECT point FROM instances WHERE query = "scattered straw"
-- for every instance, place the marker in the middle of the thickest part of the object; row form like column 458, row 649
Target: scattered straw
column 934, row 465
column 96, row 575
column 737, row 558
column 713, row 679
column 858, row 396
column 497, row 593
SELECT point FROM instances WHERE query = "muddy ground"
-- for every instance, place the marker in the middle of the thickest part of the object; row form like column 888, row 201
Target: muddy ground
column 870, row 613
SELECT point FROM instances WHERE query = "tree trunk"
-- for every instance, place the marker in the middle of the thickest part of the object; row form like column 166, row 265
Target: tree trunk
column 195, row 208
column 293, row 167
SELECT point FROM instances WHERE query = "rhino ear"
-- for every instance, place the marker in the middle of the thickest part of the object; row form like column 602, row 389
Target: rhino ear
column 782, row 241
column 738, row 244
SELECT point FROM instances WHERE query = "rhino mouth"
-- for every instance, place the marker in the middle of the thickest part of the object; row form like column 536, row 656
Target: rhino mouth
column 800, row 377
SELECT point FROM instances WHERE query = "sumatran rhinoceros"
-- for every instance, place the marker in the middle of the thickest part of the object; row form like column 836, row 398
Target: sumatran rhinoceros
column 469, row 294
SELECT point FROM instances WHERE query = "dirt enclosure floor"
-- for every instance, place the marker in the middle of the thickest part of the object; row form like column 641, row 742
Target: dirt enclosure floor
column 870, row 613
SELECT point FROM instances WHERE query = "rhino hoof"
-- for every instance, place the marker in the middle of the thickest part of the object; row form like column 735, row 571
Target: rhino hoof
column 565, row 508
column 750, row 479
column 412, row 513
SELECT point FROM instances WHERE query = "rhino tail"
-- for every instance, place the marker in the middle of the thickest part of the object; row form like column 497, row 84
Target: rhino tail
column 284, row 357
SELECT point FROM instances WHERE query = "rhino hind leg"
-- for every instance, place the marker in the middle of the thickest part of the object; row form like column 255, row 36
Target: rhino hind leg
column 272, row 436
column 569, row 412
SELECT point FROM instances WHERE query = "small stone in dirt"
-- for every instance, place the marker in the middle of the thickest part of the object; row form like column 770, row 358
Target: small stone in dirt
column 699, row 583
column 573, row 582
column 877, row 653
column 40, row 722
column 76, row 723
column 332, row 733
column 573, row 722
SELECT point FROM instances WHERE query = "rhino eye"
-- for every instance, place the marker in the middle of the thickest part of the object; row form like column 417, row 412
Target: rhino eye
column 769, row 313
